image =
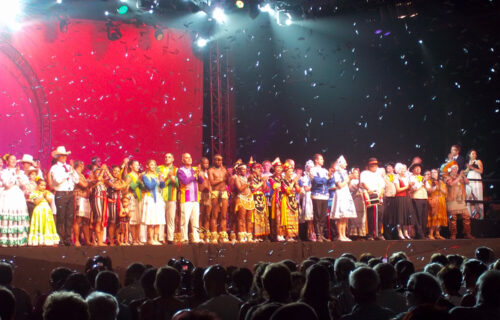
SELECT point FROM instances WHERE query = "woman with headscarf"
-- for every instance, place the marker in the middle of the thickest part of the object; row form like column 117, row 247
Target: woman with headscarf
column 342, row 205
column 306, row 213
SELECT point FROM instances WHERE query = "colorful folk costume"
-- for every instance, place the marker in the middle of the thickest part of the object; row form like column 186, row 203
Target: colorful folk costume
column 437, row 216
column 305, row 201
column 14, row 217
column 99, row 204
column 170, row 197
column 261, row 214
column 43, row 228
column 82, row 203
column 289, row 208
column 357, row 226
column 153, row 206
column 189, row 205
column 275, row 182
column 418, row 195
column 455, row 202
column 135, row 197
column 475, row 190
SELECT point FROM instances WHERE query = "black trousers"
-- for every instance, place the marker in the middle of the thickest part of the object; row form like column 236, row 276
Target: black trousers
column 371, row 214
column 65, row 204
column 320, row 211
column 420, row 219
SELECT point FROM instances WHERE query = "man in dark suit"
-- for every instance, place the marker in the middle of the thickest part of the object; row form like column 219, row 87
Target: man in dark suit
column 455, row 153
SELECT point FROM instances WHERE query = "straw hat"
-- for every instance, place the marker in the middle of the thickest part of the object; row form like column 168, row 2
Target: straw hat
column 27, row 158
column 61, row 150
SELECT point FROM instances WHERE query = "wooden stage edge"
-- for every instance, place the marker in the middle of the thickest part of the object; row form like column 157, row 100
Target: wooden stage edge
column 32, row 265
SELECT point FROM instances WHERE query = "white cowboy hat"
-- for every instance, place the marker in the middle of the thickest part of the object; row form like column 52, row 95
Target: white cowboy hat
column 27, row 158
column 61, row 150
column 32, row 169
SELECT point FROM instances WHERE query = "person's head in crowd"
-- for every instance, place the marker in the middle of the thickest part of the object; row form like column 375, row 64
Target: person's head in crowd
column 298, row 281
column 433, row 268
column 102, row 306
column 374, row 262
column 496, row 265
column 277, row 282
column 439, row 258
column 488, row 293
column 343, row 267
column 397, row 256
column 365, row 257
column 134, row 273
column 167, row 281
column 291, row 265
column 93, row 272
column 387, row 275
column 7, row 304
column 148, row 283
column 229, row 274
column 257, row 287
column 104, row 262
column 404, row 269
column 472, row 270
column 77, row 282
column 64, row 305
column 197, row 287
column 364, row 283
column 427, row 312
column 349, row 255
column 5, row 274
column 242, row 280
column 58, row 277
column 455, row 259
column 313, row 258
column 451, row 280
column 265, row 311
column 305, row 265
column 422, row 288
column 330, row 267
column 187, row 314
column 108, row 282
column 485, row 255
column 317, row 286
column 214, row 280
column 294, row 311
column 330, row 260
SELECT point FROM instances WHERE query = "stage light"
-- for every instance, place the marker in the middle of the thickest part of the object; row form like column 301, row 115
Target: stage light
column 266, row 8
column 59, row 1
column 219, row 15
column 123, row 9
column 9, row 12
column 283, row 18
column 201, row 42
column 158, row 34
column 239, row 4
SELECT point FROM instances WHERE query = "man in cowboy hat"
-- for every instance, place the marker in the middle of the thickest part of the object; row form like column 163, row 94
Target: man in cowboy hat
column 27, row 163
column 373, row 184
column 64, row 178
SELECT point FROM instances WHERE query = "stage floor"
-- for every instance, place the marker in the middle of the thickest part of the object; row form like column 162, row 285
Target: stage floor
column 34, row 264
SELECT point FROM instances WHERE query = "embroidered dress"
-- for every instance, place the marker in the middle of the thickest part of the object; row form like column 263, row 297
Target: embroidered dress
column 135, row 197
column 14, row 217
column 43, row 228
column 357, row 226
column 261, row 214
column 436, row 213
column 342, row 205
column 306, row 212
column 153, row 206
column 82, row 203
column 99, row 203
column 289, row 208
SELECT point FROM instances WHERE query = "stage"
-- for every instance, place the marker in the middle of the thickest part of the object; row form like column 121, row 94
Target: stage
column 34, row 264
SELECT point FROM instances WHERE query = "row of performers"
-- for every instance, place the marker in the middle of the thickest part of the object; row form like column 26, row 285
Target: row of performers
column 166, row 204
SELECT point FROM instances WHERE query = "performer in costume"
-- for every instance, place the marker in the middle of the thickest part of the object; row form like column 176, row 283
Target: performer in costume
column 319, row 195
column 205, row 202
column 403, row 207
column 437, row 216
column 244, row 205
column 135, row 187
column 455, row 201
column 190, row 207
column 114, row 193
column 332, row 187
column 389, row 194
column 64, row 178
column 218, row 177
column 123, row 222
column 99, row 204
column 306, row 213
column 357, row 226
column 275, row 184
column 14, row 217
column 169, row 172
column 82, row 206
column 418, row 194
column 343, row 205
column 258, row 186
column 372, row 185
column 289, row 210
column 475, row 187
column 455, row 155
column 30, row 187
column 43, row 228
column 153, row 206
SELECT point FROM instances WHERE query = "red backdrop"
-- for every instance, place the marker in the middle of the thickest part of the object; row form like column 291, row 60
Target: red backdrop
column 135, row 96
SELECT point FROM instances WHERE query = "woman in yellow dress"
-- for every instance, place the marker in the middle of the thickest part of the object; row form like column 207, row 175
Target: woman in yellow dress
column 43, row 228
column 436, row 213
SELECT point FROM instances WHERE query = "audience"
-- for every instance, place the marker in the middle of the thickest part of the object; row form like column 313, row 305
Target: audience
column 317, row 288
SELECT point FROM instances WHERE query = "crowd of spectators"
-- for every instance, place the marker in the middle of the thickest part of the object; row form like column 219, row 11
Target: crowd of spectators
column 450, row 287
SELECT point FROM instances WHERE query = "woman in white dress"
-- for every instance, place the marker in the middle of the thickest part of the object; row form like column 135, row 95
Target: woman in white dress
column 14, row 217
column 153, row 206
column 475, row 188
column 306, row 213
column 342, row 204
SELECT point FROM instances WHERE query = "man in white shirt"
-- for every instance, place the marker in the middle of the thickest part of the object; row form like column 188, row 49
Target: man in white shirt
column 372, row 182
column 64, row 178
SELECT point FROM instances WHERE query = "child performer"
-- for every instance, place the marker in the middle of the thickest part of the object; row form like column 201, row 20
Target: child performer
column 123, row 220
column 43, row 228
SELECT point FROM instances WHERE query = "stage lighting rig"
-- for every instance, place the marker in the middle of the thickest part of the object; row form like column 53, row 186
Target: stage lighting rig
column 219, row 15
column 201, row 42
column 158, row 33
column 10, row 11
